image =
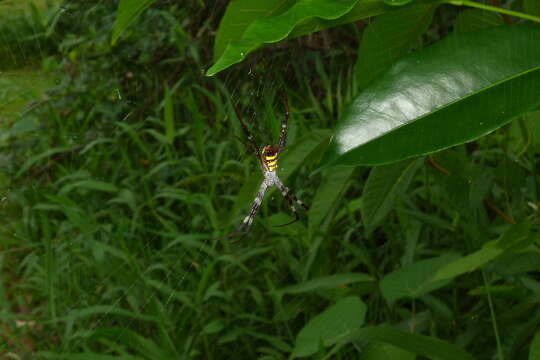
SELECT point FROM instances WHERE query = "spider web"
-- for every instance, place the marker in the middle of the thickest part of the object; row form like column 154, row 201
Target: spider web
column 26, row 85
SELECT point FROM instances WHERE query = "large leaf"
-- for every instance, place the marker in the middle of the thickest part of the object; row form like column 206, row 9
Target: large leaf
column 388, row 38
column 304, row 17
column 475, row 19
column 459, row 89
column 239, row 15
column 414, row 280
column 331, row 326
column 427, row 346
column 384, row 185
column 272, row 29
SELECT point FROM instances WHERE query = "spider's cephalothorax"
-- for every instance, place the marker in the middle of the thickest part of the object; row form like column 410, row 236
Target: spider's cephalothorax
column 268, row 161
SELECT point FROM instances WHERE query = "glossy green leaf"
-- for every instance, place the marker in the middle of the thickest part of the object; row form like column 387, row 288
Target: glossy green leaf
column 326, row 282
column 362, row 10
column 276, row 28
column 128, row 12
column 414, row 280
column 331, row 326
column 384, row 185
column 474, row 20
column 534, row 351
column 459, row 89
column 389, row 37
column 239, row 15
column 427, row 346
column 304, row 17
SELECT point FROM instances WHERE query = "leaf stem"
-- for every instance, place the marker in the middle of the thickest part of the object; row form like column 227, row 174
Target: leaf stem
column 493, row 8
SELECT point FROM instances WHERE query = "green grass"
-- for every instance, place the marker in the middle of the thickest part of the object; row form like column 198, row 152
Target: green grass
column 113, row 203
column 19, row 89
column 11, row 5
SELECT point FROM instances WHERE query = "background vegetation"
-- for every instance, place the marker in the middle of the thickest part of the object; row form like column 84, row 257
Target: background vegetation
column 113, row 185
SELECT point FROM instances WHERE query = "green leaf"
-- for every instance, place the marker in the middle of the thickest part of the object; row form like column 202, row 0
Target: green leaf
column 388, row 38
column 397, row 2
column 414, row 280
column 100, row 310
column 328, row 193
column 325, row 282
column 136, row 342
column 362, row 10
column 516, row 237
column 474, row 20
column 383, row 351
column 383, row 186
column 128, row 12
column 459, row 89
column 427, row 346
column 168, row 115
column 276, row 28
column 467, row 264
column 90, row 185
column 304, row 17
column 534, row 351
column 331, row 326
column 511, row 239
column 41, row 156
column 295, row 155
column 213, row 327
column 239, row 15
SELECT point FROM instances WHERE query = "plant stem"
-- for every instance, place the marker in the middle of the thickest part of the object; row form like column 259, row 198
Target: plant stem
column 493, row 318
column 493, row 8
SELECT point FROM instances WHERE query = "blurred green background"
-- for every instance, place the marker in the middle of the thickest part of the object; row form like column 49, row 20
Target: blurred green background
column 119, row 165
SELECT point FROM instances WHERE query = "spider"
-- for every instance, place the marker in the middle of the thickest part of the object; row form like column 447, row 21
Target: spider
column 268, row 161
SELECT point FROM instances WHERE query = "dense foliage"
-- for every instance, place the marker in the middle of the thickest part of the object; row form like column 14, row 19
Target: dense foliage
column 117, row 183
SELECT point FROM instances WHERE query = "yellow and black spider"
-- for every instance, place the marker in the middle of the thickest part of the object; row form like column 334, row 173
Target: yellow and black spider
column 268, row 158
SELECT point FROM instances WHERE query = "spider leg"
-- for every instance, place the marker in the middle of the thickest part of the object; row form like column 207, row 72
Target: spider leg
column 251, row 145
column 291, row 200
column 283, row 129
column 291, row 205
column 245, row 226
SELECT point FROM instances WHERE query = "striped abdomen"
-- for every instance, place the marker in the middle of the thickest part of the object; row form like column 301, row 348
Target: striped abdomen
column 269, row 157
